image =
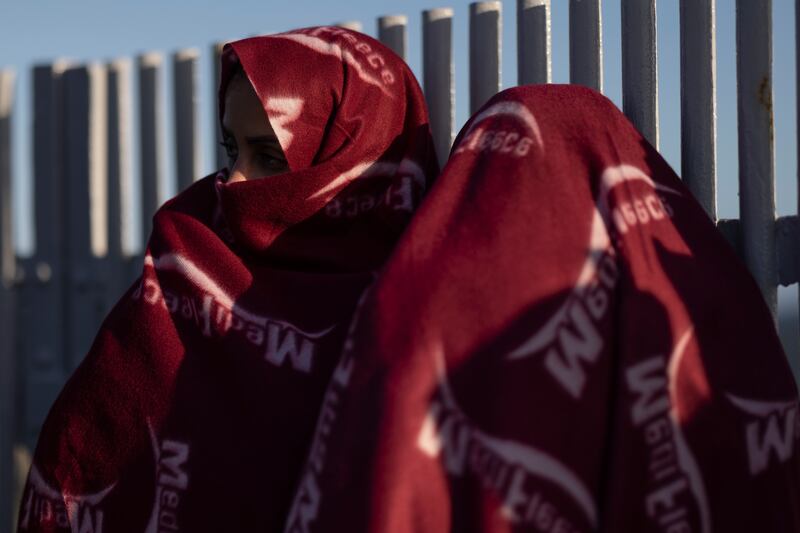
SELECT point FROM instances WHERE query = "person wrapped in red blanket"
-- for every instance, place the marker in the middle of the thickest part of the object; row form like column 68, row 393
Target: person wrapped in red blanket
column 195, row 407
column 561, row 342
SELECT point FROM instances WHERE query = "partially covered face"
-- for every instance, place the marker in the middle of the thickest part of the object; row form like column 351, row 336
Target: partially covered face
column 249, row 140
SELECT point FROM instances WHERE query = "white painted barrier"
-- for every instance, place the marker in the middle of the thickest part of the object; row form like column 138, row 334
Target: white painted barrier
column 8, row 371
column 586, row 43
column 640, row 66
column 438, row 76
column 698, row 101
column 484, row 52
column 392, row 32
column 756, row 143
column 151, row 136
column 533, row 42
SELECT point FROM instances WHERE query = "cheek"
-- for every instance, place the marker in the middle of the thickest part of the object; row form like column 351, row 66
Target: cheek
column 272, row 170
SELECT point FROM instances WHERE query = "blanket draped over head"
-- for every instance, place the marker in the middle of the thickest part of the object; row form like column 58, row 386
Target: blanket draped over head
column 196, row 405
column 561, row 342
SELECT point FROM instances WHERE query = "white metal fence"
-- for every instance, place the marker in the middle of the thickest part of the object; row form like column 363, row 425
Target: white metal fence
column 51, row 303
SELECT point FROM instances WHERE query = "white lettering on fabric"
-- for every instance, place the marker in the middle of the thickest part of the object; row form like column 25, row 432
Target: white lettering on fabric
column 173, row 458
column 299, row 350
column 639, row 209
column 571, row 340
column 649, row 382
column 308, row 498
column 215, row 315
column 514, row 471
column 674, row 482
column 503, row 142
column 43, row 505
column 399, row 195
column 369, row 64
column 772, row 434
column 373, row 57
column 579, row 343
column 649, row 208
column 172, row 479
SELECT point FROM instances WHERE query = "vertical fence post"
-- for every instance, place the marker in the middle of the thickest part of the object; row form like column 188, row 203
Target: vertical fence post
column 151, row 112
column 586, row 43
column 533, row 42
column 640, row 66
column 484, row 52
column 698, row 101
column 187, row 155
column 220, row 157
column 438, row 78
column 120, row 180
column 86, row 198
column 392, row 33
column 40, row 301
column 797, row 133
column 349, row 25
column 7, row 327
column 7, row 267
column 756, row 150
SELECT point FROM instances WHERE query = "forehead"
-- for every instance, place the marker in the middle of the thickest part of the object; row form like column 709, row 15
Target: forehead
column 244, row 114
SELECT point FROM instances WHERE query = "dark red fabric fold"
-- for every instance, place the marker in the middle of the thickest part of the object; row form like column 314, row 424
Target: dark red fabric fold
column 194, row 408
column 561, row 342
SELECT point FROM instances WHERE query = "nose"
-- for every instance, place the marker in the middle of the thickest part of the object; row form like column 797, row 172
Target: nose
column 238, row 172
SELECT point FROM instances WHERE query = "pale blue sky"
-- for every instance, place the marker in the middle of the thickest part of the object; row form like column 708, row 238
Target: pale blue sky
column 34, row 31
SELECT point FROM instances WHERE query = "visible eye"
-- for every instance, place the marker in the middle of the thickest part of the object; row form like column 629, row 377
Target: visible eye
column 231, row 150
column 272, row 161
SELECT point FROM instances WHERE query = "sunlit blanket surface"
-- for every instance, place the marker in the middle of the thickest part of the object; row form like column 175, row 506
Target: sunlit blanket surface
column 561, row 342
column 195, row 407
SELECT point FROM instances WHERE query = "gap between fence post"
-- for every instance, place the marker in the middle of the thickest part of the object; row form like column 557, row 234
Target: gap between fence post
column 187, row 153
column 41, row 279
column 86, row 195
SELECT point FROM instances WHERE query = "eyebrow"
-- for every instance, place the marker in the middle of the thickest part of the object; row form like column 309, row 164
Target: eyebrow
column 270, row 139
column 260, row 139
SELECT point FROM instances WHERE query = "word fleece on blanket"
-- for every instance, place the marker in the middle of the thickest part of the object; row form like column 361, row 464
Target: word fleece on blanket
column 195, row 407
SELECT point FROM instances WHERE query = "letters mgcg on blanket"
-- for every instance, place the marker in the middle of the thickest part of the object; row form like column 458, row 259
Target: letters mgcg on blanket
column 561, row 342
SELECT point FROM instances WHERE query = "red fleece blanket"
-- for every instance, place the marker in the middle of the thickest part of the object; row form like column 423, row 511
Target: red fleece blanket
column 195, row 407
column 561, row 342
